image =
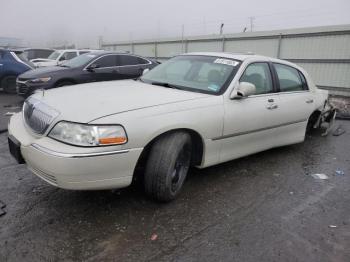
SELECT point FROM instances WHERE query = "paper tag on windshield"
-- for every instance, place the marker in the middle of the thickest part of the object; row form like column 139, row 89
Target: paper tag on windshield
column 225, row 62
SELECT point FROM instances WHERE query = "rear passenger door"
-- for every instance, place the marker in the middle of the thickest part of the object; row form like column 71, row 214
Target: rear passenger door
column 130, row 66
column 297, row 101
column 105, row 68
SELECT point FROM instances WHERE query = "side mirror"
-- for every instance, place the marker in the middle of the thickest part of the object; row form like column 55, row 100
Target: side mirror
column 244, row 89
column 145, row 71
column 92, row 67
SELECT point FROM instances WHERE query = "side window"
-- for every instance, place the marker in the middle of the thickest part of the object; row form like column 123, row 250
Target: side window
column 83, row 52
column 303, row 80
column 259, row 74
column 125, row 60
column 70, row 55
column 106, row 61
column 288, row 78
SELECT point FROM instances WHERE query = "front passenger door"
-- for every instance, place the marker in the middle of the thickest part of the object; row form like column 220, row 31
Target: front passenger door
column 251, row 124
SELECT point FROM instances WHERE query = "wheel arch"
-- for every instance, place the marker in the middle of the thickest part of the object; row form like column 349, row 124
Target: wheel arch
column 197, row 149
column 65, row 80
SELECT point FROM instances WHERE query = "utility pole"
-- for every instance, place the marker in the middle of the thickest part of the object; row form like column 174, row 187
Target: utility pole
column 222, row 28
column 251, row 20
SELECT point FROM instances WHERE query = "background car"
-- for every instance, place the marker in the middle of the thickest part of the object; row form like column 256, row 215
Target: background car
column 12, row 63
column 35, row 53
column 60, row 56
column 92, row 67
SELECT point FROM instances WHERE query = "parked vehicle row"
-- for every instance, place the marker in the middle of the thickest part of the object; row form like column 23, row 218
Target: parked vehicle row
column 15, row 62
column 92, row 67
column 197, row 109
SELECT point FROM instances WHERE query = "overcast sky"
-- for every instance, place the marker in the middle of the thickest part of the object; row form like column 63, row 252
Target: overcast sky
column 81, row 22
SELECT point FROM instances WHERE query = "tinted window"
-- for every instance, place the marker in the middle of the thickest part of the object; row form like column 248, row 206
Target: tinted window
column 70, row 55
column 107, row 61
column 259, row 75
column 303, row 80
column 125, row 60
column 83, row 52
column 289, row 78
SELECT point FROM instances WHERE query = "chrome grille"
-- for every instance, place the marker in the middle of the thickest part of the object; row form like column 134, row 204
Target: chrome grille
column 37, row 115
column 22, row 88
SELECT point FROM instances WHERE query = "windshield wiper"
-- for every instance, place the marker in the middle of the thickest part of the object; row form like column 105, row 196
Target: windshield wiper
column 64, row 65
column 165, row 85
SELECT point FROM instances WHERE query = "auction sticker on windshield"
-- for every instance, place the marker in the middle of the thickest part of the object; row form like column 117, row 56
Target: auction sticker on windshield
column 226, row 62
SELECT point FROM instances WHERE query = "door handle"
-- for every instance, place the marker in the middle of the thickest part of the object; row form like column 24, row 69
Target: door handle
column 1, row 64
column 271, row 107
column 309, row 101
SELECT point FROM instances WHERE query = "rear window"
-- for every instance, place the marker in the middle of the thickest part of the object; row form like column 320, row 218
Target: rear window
column 125, row 60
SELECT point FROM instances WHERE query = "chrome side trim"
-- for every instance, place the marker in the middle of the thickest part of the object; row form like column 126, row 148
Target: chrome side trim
column 77, row 155
column 257, row 130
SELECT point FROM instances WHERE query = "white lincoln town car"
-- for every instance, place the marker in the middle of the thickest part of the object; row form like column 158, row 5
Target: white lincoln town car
column 196, row 109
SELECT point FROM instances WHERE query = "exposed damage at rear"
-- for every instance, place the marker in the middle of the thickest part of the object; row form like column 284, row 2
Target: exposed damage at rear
column 326, row 118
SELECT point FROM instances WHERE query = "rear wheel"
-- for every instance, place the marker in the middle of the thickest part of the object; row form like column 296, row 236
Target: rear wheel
column 8, row 83
column 167, row 166
column 312, row 121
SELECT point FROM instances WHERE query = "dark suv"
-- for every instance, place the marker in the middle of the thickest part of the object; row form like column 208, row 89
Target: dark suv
column 12, row 64
column 91, row 67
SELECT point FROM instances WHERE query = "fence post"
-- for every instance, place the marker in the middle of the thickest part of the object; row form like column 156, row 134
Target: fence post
column 279, row 46
column 223, row 44
column 155, row 50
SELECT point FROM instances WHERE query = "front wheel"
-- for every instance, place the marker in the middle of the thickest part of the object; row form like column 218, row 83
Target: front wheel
column 167, row 166
column 8, row 83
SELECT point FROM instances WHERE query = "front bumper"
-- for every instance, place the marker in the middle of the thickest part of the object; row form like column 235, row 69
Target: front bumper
column 25, row 89
column 73, row 167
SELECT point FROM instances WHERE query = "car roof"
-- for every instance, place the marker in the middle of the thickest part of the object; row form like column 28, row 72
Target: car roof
column 245, row 56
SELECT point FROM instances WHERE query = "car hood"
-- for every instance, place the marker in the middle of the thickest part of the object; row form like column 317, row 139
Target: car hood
column 87, row 102
column 49, row 62
column 43, row 72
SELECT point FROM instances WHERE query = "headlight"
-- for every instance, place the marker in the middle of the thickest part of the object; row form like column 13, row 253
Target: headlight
column 88, row 135
column 40, row 80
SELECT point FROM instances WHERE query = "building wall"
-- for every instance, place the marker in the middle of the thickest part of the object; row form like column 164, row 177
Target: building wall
column 323, row 51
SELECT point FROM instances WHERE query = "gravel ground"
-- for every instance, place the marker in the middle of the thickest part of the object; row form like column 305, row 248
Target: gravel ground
column 265, row 207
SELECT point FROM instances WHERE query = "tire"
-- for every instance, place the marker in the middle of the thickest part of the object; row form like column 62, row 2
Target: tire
column 167, row 166
column 8, row 83
column 311, row 122
column 64, row 83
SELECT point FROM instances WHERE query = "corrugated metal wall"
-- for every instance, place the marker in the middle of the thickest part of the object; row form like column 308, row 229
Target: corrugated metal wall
column 323, row 51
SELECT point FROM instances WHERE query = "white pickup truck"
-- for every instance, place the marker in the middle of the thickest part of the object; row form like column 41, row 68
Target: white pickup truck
column 59, row 56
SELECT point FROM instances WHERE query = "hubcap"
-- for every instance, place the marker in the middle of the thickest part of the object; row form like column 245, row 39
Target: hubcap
column 180, row 169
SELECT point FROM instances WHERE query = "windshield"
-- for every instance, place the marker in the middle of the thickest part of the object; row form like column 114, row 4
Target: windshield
column 205, row 74
column 79, row 60
column 21, row 57
column 54, row 55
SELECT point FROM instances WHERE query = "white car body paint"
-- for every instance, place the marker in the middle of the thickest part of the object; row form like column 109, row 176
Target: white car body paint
column 229, row 129
column 43, row 62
